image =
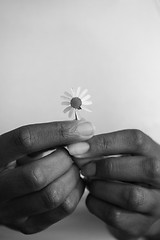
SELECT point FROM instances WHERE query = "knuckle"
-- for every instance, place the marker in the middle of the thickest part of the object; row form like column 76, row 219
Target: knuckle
column 103, row 143
column 134, row 198
column 23, row 138
column 69, row 205
column 108, row 167
column 152, row 169
column 114, row 216
column 117, row 219
column 139, row 139
column 34, row 177
column 51, row 198
column 62, row 130
column 38, row 178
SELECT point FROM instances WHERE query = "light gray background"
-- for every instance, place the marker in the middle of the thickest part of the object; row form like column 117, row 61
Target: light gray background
column 111, row 47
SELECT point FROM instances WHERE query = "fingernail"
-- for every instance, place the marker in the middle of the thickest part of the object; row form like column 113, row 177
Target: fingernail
column 85, row 129
column 89, row 170
column 78, row 148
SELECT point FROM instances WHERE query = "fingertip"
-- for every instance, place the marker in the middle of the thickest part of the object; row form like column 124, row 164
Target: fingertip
column 78, row 148
column 89, row 170
column 85, row 129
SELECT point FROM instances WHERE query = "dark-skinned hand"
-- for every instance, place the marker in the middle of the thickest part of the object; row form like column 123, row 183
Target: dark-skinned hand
column 36, row 191
column 123, row 173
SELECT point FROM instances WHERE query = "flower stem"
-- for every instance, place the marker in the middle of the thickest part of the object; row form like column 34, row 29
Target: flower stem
column 76, row 117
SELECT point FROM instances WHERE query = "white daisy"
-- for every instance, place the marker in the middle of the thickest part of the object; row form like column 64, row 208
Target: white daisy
column 75, row 101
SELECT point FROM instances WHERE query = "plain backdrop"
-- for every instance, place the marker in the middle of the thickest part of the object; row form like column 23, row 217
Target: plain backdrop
column 111, row 47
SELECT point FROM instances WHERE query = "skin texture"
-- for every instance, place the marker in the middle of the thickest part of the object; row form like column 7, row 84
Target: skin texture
column 39, row 190
column 123, row 174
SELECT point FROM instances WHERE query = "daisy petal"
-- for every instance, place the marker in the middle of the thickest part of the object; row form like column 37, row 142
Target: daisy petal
column 65, row 98
column 87, row 103
column 86, row 98
column 67, row 109
column 65, row 103
column 78, row 91
column 68, row 94
column 83, row 93
column 70, row 113
column 86, row 109
column 73, row 92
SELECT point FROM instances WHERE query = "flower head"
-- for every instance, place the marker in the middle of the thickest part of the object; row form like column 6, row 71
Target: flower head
column 75, row 101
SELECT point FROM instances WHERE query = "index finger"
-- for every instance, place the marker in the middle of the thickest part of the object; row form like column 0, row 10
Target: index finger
column 122, row 142
column 37, row 137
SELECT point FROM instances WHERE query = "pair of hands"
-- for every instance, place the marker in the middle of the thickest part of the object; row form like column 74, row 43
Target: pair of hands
column 122, row 171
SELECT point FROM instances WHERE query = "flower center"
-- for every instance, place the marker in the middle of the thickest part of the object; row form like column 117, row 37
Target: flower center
column 76, row 103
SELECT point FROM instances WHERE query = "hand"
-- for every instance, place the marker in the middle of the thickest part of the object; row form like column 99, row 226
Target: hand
column 123, row 172
column 38, row 191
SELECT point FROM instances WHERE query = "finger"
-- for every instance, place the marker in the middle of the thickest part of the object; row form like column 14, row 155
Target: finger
column 115, row 143
column 47, row 199
column 42, row 221
column 34, row 176
column 133, row 224
column 127, row 196
column 38, row 137
column 32, row 157
column 127, row 169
